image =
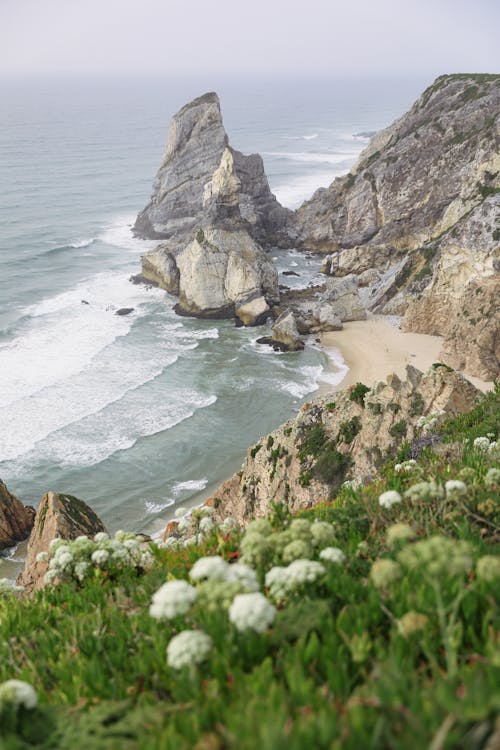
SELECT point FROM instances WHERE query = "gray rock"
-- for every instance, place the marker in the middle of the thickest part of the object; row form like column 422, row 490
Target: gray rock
column 285, row 332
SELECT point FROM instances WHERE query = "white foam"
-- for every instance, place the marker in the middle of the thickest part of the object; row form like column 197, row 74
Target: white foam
column 83, row 243
column 314, row 158
column 190, row 486
column 292, row 193
column 208, row 333
column 118, row 233
column 152, row 507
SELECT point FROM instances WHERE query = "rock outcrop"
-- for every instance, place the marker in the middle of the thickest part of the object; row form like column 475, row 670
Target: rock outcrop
column 285, row 336
column 308, row 457
column 16, row 519
column 212, row 205
column 421, row 209
column 57, row 517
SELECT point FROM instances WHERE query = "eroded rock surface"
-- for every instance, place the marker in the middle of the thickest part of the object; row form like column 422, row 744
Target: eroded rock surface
column 16, row 519
column 337, row 437
column 57, row 517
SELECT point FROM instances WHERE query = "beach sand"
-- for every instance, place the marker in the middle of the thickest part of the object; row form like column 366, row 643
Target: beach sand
column 374, row 348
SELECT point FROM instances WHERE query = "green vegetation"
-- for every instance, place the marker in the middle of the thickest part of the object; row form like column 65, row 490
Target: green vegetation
column 358, row 393
column 399, row 429
column 496, row 234
column 487, row 190
column 349, row 429
column 313, row 442
column 200, row 236
column 255, row 450
column 429, row 253
column 392, row 642
column 416, row 404
column 349, row 181
column 331, row 406
column 424, row 272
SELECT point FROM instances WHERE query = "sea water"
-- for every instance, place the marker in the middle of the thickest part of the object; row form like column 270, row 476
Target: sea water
column 137, row 414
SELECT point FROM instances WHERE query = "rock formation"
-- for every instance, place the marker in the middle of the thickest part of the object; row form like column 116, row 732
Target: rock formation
column 57, row 517
column 308, row 457
column 16, row 519
column 285, row 336
column 212, row 205
column 419, row 213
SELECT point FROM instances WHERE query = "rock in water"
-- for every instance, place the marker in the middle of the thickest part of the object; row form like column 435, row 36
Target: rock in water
column 16, row 520
column 285, row 333
column 197, row 146
column 212, row 205
column 57, row 517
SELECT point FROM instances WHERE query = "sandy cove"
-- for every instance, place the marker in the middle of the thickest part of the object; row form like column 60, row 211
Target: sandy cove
column 376, row 347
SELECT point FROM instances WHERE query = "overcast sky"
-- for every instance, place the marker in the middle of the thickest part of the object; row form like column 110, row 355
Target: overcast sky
column 237, row 37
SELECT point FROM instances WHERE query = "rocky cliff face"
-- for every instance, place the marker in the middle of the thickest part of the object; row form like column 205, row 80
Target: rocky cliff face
column 16, row 519
column 212, row 205
column 418, row 216
column 57, row 517
column 308, row 457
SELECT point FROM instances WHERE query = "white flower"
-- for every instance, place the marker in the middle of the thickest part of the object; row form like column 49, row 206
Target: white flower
column 42, row 557
column 251, row 612
column 187, row 648
column 18, row 693
column 494, row 447
column 213, row 568
column 492, row 478
column 147, row 560
column 323, row 533
column 455, row 488
column 55, row 543
column 283, row 581
column 184, row 525
column 170, row 543
column 180, row 512
column 51, row 575
column 64, row 560
column 405, row 467
column 244, row 575
column 174, row 598
column 481, row 444
column 332, row 555
column 82, row 538
column 101, row 536
column 131, row 544
column 189, row 541
column 81, row 569
column 206, row 525
column 100, row 557
column 389, row 498
column 205, row 510
column 228, row 524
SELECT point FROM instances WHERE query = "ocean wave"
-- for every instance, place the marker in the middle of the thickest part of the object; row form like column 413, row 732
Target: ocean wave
column 59, row 249
column 308, row 137
column 153, row 508
column 190, row 486
column 314, row 158
column 119, row 234
column 292, row 193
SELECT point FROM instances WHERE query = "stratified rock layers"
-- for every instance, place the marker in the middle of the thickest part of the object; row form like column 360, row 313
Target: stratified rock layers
column 16, row 519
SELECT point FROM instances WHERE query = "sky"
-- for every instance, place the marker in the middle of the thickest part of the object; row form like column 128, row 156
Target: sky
column 250, row 37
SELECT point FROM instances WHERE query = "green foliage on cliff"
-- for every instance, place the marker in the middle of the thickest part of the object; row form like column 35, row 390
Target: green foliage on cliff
column 392, row 642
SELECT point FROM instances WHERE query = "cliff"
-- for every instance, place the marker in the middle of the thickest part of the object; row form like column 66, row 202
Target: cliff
column 417, row 219
column 16, row 519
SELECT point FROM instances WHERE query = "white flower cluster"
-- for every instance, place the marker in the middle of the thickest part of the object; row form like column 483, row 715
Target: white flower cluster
column 188, row 648
column 389, row 498
column 193, row 527
column 282, row 581
column 332, row 555
column 483, row 444
column 19, row 694
column 216, row 569
column 77, row 559
column 455, row 489
column 492, row 478
column 438, row 555
column 261, row 546
column 405, row 467
column 424, row 492
column 9, row 587
column 431, row 421
column 251, row 612
column 172, row 599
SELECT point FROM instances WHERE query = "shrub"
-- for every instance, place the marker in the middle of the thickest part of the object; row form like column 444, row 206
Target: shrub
column 358, row 393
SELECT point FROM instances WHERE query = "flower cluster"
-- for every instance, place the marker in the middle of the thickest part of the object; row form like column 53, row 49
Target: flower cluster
column 384, row 573
column 389, row 498
column 18, row 694
column 300, row 540
column 78, row 559
column 405, row 467
column 432, row 421
column 193, row 527
column 332, row 555
column 172, row 599
column 188, row 648
column 399, row 532
column 438, row 556
column 251, row 612
column 424, row 492
column 283, row 581
column 492, row 478
column 455, row 489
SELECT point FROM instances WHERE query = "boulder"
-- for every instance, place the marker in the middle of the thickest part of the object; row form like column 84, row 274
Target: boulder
column 285, row 332
column 341, row 296
column 16, row 519
column 58, row 517
column 254, row 312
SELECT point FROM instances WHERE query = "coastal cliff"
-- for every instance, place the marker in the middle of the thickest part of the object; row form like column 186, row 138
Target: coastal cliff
column 417, row 220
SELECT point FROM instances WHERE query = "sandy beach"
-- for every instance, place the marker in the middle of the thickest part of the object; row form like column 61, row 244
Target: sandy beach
column 374, row 348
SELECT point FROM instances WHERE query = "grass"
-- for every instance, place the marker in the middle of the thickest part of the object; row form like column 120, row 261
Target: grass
column 346, row 665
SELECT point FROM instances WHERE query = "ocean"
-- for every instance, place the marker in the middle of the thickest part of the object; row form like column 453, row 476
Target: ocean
column 138, row 414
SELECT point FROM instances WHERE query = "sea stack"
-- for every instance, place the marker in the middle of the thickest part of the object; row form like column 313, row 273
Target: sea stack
column 213, row 208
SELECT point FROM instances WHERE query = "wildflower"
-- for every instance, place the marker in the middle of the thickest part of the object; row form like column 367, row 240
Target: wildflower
column 81, row 570
column 172, row 599
column 189, row 541
column 399, row 532
column 494, row 448
column 283, row 581
column 259, row 526
column 384, row 573
column 488, row 507
column 169, row 543
column 42, row 557
column 482, row 444
column 389, row 498
column 412, row 622
column 277, row 582
column 332, row 555
column 206, row 525
column 184, row 525
column 51, row 575
column 100, row 557
column 322, row 534
column 455, row 489
column 296, row 550
column 492, row 478
column 146, row 560
column 300, row 528
column 251, row 612
column 55, row 543
column 100, row 537
column 244, row 575
column 438, row 555
column 467, row 474
column 213, row 568
column 405, row 467
column 423, row 492
column 228, row 524
column 64, row 560
column 488, row 568
column 180, row 512
column 18, row 693
column 188, row 648
column 256, row 548
column 132, row 544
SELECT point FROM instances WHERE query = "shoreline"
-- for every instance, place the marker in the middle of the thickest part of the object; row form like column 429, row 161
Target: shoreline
column 374, row 348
